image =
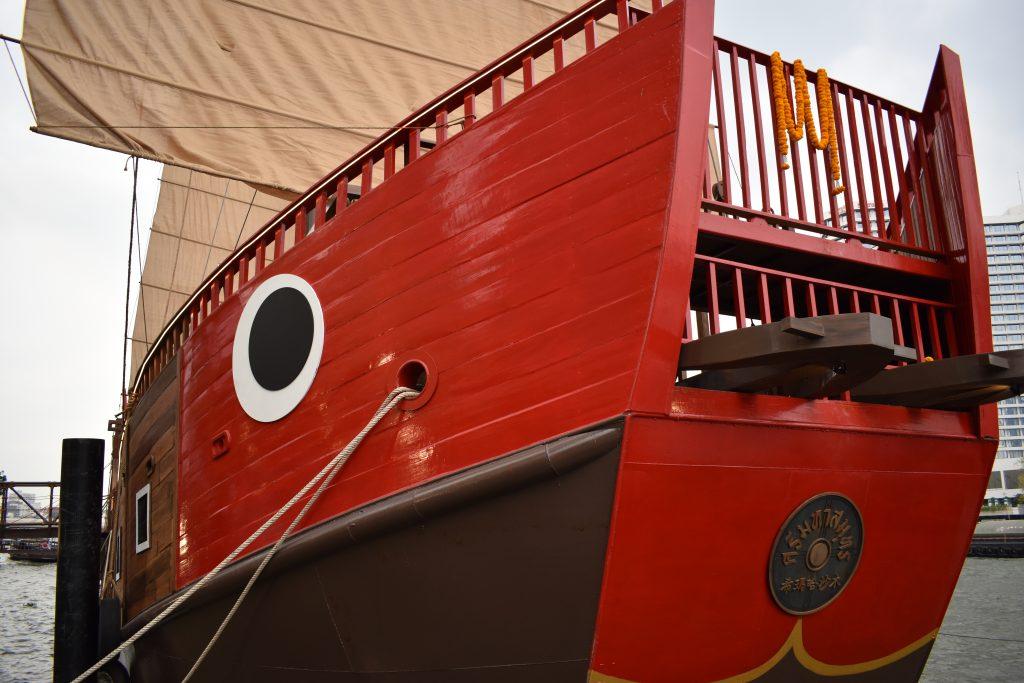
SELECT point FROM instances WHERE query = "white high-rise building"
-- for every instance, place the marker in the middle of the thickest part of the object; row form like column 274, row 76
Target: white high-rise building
column 1004, row 239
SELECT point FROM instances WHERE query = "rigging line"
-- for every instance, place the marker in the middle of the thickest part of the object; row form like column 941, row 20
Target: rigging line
column 177, row 251
column 323, row 126
column 142, row 289
column 17, row 75
column 216, row 228
column 245, row 220
column 128, row 282
column 169, row 290
column 165, row 181
column 732, row 165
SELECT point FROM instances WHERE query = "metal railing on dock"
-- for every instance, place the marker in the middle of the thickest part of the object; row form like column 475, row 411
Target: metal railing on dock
column 29, row 515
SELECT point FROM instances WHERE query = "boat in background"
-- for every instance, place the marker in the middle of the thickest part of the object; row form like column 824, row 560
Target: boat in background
column 610, row 334
column 32, row 551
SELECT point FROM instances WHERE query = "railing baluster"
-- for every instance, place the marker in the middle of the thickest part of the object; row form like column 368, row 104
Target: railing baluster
column 897, row 321
column 739, row 305
column 854, row 301
column 762, row 164
column 497, row 92
column 741, row 136
column 920, row 230
column 441, row 121
column 214, row 294
column 622, row 13
column 794, row 151
column 414, row 141
column 812, row 301
column 589, row 33
column 261, row 256
column 883, row 153
column 869, row 141
column 833, row 301
column 320, row 210
column 366, row 180
column 279, row 242
column 713, row 299
column 468, row 111
column 389, row 161
column 723, row 138
column 931, row 193
column 903, row 211
column 302, row 223
column 764, row 301
column 951, row 340
column 812, row 163
column 789, row 305
column 933, row 333
column 915, row 322
column 559, row 57
column 527, row 73
column 862, row 197
column 851, row 219
column 341, row 195
column 783, row 188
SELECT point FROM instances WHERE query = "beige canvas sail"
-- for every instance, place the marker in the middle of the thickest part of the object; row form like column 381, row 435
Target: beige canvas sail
column 273, row 93
column 200, row 219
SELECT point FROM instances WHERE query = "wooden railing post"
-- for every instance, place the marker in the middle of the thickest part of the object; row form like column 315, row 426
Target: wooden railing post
column 660, row 351
column 947, row 133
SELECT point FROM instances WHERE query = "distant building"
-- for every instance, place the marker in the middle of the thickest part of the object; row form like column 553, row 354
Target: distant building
column 1004, row 239
column 844, row 223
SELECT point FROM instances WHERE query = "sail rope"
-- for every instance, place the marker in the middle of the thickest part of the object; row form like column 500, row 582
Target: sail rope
column 316, row 126
column 795, row 123
column 128, row 282
column 323, row 478
column 17, row 75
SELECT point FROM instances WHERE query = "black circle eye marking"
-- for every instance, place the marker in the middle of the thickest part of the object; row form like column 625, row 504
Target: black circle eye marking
column 280, row 339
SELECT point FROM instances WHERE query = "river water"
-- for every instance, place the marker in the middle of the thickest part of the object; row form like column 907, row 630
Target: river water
column 982, row 637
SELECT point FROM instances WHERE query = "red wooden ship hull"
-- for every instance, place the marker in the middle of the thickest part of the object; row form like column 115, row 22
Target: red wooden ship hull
column 559, row 502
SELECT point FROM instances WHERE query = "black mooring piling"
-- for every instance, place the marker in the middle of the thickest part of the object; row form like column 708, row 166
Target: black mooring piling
column 76, row 620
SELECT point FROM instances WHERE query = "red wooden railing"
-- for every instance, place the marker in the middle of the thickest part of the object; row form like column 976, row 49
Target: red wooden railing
column 890, row 157
column 727, row 295
column 432, row 125
column 888, row 184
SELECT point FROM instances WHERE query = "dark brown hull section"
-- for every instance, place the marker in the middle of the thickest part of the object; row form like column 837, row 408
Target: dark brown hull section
column 493, row 573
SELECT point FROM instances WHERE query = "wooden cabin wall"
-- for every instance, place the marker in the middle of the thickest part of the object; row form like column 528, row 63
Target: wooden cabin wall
column 519, row 257
column 152, row 459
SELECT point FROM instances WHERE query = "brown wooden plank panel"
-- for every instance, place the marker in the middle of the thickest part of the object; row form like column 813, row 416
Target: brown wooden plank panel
column 153, row 437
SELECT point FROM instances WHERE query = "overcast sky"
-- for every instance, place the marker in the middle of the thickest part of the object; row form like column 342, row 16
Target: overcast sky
column 64, row 208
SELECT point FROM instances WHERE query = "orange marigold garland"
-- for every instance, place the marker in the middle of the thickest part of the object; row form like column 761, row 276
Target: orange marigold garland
column 795, row 124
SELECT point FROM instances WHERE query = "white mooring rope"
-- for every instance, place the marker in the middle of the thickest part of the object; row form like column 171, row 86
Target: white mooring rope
column 327, row 474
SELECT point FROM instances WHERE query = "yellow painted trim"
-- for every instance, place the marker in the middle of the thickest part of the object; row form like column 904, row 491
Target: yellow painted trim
column 795, row 642
column 595, row 677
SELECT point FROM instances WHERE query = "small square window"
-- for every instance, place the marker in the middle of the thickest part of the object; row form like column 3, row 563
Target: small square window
column 142, row 519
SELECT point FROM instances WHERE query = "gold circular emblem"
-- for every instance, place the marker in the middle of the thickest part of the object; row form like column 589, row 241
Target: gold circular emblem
column 815, row 553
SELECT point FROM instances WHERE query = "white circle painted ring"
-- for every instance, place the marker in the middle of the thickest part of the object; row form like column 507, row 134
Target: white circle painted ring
column 259, row 403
